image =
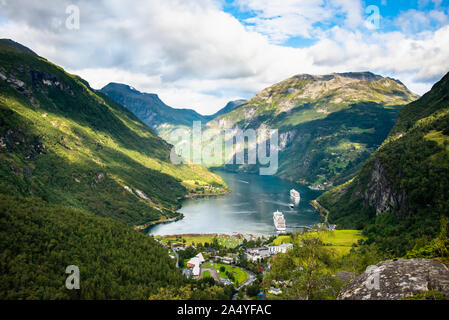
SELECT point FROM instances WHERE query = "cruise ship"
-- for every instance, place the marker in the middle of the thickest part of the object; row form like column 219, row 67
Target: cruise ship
column 279, row 221
column 295, row 195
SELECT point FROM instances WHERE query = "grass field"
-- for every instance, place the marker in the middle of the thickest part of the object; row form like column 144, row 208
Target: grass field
column 206, row 274
column 239, row 274
column 223, row 240
column 282, row 239
column 339, row 240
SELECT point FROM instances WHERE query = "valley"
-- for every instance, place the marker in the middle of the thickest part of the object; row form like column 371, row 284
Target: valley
column 328, row 125
column 66, row 143
column 88, row 178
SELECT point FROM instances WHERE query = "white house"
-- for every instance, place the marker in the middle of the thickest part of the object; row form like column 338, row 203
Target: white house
column 275, row 291
column 196, row 271
column 257, row 253
column 195, row 263
column 281, row 248
column 200, row 257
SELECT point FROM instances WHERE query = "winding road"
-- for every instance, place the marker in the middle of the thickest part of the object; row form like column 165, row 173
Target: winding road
column 251, row 279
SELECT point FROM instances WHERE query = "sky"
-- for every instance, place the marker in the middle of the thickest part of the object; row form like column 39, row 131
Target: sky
column 200, row 54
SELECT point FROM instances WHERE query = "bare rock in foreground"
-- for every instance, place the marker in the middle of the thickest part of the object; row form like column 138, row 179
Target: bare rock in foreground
column 398, row 279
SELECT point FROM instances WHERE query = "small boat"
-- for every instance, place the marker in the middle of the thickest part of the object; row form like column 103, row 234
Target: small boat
column 291, row 205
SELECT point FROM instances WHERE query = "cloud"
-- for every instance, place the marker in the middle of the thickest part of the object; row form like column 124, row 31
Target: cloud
column 195, row 55
column 414, row 21
column 282, row 20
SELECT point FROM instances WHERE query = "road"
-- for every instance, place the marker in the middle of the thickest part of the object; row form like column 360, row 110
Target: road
column 213, row 273
column 177, row 258
column 251, row 278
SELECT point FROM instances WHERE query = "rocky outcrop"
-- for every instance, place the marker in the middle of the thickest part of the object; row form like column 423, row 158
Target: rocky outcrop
column 99, row 177
column 398, row 279
column 14, row 139
column 143, row 196
column 286, row 138
column 380, row 193
column 48, row 80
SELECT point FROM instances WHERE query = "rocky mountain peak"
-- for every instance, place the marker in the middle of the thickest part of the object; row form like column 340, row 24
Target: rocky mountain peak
column 335, row 88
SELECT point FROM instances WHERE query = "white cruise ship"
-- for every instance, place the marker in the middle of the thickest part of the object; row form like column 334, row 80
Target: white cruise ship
column 295, row 195
column 279, row 221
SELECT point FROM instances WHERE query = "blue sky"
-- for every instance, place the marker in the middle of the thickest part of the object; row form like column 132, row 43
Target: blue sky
column 389, row 11
column 202, row 53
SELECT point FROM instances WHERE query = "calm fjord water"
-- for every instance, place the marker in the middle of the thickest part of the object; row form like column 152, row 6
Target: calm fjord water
column 248, row 209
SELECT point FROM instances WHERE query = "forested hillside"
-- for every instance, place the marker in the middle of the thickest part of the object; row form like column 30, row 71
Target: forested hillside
column 328, row 124
column 78, row 171
column 64, row 142
column 39, row 240
column 400, row 194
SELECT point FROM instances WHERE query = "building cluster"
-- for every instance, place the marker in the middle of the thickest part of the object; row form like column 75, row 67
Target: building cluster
column 226, row 259
column 258, row 254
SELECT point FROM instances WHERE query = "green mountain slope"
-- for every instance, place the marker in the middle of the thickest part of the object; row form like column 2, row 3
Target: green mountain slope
column 401, row 192
column 64, row 142
column 156, row 114
column 328, row 124
column 39, row 240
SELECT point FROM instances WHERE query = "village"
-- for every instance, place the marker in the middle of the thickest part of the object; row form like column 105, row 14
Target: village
column 237, row 260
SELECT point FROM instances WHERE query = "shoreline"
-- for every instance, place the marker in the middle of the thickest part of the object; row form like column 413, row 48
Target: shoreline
column 162, row 221
column 195, row 196
column 240, row 235
column 313, row 203
column 320, row 209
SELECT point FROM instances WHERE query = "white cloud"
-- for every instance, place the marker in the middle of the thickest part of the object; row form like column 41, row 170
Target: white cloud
column 280, row 20
column 194, row 55
column 414, row 21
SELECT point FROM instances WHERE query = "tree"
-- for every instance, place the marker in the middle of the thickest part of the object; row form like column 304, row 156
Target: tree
column 253, row 290
column 308, row 268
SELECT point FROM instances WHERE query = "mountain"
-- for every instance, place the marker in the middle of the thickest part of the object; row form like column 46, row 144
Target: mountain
column 149, row 108
column 230, row 106
column 328, row 124
column 400, row 194
column 68, row 144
